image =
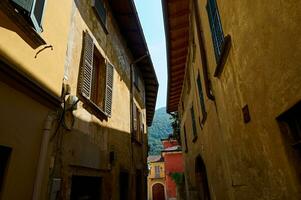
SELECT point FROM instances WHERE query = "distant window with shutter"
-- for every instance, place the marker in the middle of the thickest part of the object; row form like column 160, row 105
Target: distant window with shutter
column 157, row 171
column 201, row 95
column 134, row 121
column 194, row 131
column 185, row 139
column 96, row 78
column 100, row 10
column 216, row 27
column 33, row 10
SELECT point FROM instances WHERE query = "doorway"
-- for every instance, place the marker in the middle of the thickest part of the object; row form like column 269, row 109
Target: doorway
column 201, row 179
column 123, row 186
column 158, row 192
column 86, row 188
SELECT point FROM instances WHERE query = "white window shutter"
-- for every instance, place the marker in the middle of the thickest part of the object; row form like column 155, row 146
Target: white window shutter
column 87, row 67
column 109, row 88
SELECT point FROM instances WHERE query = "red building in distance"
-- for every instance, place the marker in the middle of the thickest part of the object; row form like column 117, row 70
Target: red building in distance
column 173, row 163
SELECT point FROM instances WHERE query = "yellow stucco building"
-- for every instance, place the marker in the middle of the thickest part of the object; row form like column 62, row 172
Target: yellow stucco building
column 78, row 91
column 156, row 178
column 234, row 78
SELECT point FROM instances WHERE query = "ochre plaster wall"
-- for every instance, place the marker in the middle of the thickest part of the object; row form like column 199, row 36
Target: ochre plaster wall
column 246, row 161
column 45, row 67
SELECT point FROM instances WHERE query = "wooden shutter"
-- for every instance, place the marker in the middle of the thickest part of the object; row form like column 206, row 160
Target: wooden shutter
column 87, row 67
column 109, row 88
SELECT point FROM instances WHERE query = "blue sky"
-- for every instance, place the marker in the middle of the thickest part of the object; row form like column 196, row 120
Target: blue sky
column 151, row 18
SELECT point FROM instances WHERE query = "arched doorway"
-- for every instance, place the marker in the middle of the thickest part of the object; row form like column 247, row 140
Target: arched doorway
column 158, row 192
column 201, row 179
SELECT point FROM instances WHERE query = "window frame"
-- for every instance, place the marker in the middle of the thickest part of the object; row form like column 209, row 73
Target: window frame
column 217, row 34
column 102, row 18
column 193, row 124
column 86, row 82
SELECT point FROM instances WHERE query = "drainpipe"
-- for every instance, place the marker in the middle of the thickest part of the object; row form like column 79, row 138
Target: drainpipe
column 202, row 50
column 43, row 155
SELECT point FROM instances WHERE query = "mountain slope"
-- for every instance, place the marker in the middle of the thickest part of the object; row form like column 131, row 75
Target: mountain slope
column 160, row 129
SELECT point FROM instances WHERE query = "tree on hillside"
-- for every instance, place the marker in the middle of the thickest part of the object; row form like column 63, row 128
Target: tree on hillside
column 175, row 124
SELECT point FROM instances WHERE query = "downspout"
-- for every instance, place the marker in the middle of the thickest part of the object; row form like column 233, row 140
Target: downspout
column 43, row 155
column 201, row 40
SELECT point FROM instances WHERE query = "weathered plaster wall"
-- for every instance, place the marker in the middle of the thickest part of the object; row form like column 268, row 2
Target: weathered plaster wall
column 247, row 161
column 113, row 134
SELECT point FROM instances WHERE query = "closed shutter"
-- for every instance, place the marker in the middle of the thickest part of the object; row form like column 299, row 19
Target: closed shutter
column 109, row 88
column 134, row 120
column 87, row 67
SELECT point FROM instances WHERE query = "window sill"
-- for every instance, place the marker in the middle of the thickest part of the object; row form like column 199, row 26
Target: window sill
column 22, row 23
column 94, row 109
column 224, row 55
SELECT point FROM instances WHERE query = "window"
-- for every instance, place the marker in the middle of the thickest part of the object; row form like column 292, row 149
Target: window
column 201, row 96
column 33, row 11
column 136, row 77
column 96, row 78
column 185, row 138
column 193, row 124
column 157, row 171
column 100, row 10
column 138, row 126
column 216, row 28
column 4, row 158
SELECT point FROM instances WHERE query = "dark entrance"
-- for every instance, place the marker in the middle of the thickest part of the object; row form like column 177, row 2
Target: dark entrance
column 123, row 186
column 201, row 179
column 4, row 157
column 138, row 185
column 158, row 192
column 86, row 188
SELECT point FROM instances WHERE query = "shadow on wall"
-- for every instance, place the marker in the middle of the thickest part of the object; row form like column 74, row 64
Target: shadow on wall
column 93, row 153
column 9, row 24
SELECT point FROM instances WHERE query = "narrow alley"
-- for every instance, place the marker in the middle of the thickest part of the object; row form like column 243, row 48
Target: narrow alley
column 83, row 116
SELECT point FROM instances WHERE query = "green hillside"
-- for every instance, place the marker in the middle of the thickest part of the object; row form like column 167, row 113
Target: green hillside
column 160, row 128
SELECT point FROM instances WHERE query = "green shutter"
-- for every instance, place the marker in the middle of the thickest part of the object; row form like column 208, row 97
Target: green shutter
column 24, row 4
column 109, row 88
column 87, row 67
column 35, row 10
column 36, row 14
